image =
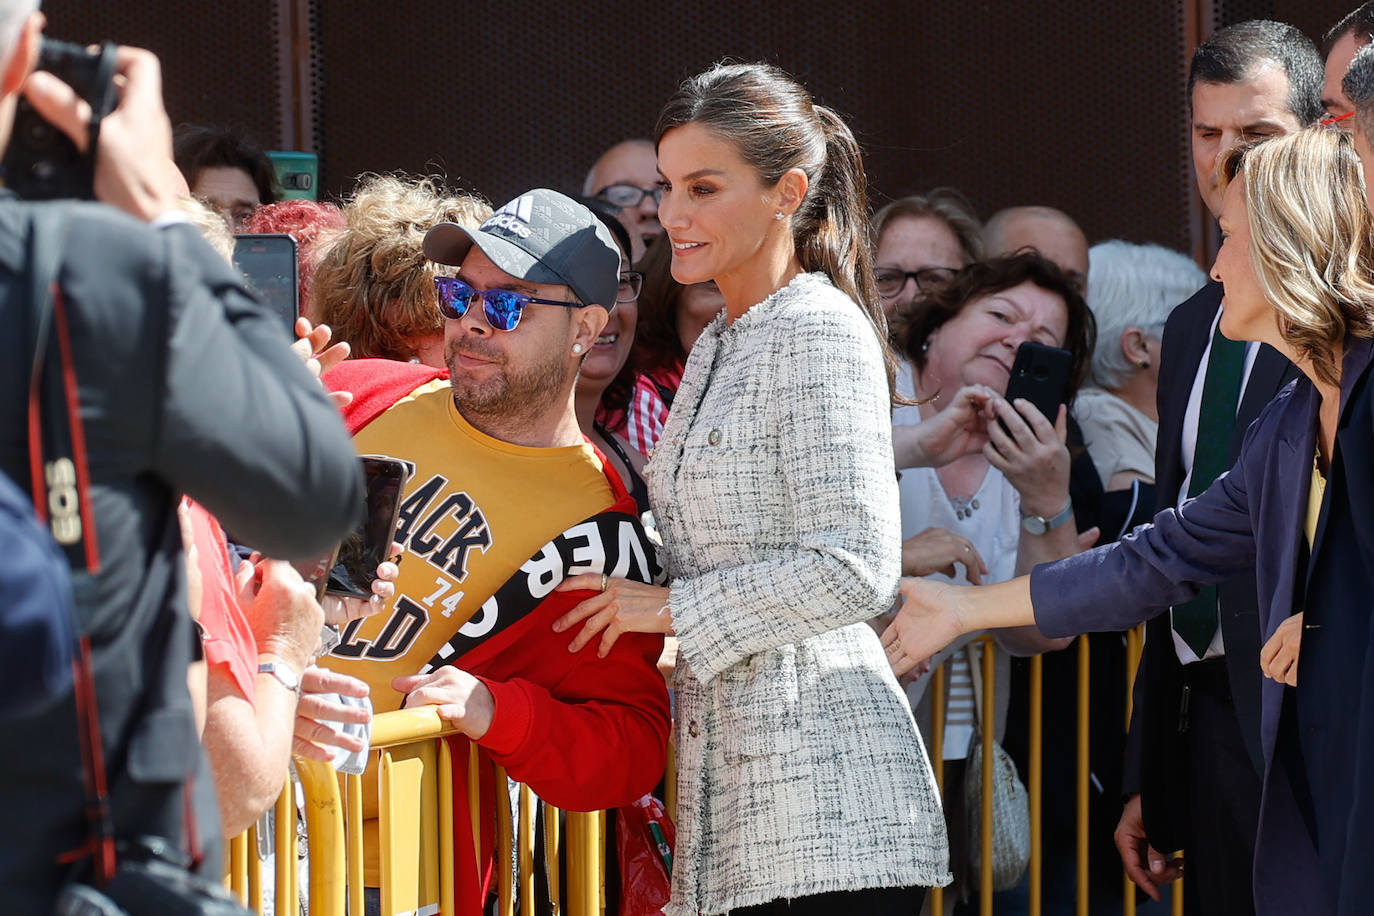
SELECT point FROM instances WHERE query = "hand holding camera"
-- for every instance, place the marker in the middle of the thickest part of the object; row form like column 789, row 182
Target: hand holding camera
column 133, row 167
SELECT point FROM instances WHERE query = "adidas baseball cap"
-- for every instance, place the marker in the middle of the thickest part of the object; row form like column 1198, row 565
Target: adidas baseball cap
column 540, row 237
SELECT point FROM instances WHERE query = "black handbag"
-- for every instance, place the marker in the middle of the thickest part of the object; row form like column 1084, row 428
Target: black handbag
column 146, row 876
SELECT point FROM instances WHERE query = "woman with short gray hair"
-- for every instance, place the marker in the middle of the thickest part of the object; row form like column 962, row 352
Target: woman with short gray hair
column 1131, row 290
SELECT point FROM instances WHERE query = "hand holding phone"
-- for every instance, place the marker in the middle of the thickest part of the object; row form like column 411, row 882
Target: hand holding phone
column 1026, row 445
column 1040, row 374
column 370, row 544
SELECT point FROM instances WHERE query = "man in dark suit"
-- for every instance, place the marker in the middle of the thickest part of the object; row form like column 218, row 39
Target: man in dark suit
column 1194, row 759
column 184, row 384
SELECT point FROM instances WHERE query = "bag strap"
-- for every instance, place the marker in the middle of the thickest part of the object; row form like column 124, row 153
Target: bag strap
column 60, row 482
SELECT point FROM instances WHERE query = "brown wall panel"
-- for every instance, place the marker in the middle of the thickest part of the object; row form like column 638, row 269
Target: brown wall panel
column 1033, row 101
column 1079, row 105
column 219, row 61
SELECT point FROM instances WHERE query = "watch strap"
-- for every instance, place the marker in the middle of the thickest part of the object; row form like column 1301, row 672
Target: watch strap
column 284, row 675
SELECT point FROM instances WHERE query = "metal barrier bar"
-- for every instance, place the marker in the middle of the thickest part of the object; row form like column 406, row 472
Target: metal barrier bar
column 236, row 872
column 937, row 759
column 1134, row 647
column 525, row 845
column 1084, row 774
column 448, row 893
column 553, row 854
column 988, row 727
column 353, row 787
column 1036, row 778
column 504, row 841
column 254, row 871
column 324, row 830
column 284, row 838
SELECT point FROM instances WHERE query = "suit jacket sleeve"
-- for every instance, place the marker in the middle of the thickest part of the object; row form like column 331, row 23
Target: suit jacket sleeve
column 1204, row 541
column 244, row 428
column 835, row 439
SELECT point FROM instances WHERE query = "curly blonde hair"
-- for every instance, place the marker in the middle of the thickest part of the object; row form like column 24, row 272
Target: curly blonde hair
column 1311, row 239
column 373, row 284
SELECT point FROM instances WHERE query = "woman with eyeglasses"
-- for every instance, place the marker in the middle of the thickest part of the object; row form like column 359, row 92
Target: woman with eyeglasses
column 606, row 381
column 920, row 242
column 803, row 786
column 1297, row 264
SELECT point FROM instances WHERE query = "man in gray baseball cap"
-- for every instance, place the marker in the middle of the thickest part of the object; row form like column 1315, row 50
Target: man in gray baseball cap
column 534, row 286
column 507, row 500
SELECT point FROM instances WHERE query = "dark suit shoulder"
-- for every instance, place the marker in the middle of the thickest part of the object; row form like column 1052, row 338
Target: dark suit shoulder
column 1196, row 312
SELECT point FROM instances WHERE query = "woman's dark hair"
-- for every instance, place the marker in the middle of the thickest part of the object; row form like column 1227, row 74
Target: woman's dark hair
column 774, row 124
column 657, row 342
column 195, row 147
column 916, row 322
column 617, row 394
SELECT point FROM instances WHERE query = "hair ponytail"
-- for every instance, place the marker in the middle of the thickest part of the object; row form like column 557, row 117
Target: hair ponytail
column 775, row 126
column 832, row 228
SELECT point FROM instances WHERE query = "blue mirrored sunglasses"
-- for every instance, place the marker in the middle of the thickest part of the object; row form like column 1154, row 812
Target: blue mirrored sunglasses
column 501, row 307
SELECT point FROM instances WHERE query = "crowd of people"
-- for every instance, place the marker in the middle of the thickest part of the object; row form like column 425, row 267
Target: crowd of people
column 705, row 448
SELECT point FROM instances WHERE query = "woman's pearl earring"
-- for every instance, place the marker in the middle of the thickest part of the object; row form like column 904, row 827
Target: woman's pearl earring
column 779, row 215
column 577, row 348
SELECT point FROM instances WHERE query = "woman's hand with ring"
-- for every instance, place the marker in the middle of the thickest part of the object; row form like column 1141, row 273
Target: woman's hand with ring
column 621, row 606
column 936, row 550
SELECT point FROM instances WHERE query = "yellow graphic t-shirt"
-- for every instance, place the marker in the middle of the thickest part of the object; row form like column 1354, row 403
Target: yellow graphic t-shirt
column 474, row 511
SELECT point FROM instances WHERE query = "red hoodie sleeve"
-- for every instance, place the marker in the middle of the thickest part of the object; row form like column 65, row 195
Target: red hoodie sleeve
column 583, row 732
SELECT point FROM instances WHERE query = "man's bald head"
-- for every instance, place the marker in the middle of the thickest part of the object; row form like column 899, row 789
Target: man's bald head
column 629, row 164
column 1051, row 232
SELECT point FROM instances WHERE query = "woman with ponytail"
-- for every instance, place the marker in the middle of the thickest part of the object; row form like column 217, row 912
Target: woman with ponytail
column 803, row 786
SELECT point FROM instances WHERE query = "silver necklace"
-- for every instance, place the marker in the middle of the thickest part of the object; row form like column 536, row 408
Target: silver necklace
column 964, row 506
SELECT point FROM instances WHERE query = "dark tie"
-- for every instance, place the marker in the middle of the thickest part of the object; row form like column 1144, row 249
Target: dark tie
column 1196, row 621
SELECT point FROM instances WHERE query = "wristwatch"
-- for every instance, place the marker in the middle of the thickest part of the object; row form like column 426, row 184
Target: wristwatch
column 1038, row 524
column 284, row 674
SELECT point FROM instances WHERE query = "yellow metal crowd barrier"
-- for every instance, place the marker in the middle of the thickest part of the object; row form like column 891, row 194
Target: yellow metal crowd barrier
column 1034, row 775
column 415, row 824
column 415, row 804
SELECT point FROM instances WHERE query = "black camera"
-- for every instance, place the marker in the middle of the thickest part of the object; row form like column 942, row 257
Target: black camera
column 42, row 163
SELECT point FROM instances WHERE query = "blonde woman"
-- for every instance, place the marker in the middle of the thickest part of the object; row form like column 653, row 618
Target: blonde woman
column 1296, row 264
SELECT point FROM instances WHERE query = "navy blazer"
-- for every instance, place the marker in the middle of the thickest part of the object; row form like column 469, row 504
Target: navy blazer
column 1253, row 517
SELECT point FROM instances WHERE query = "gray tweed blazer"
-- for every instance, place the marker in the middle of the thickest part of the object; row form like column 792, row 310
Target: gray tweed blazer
column 800, row 770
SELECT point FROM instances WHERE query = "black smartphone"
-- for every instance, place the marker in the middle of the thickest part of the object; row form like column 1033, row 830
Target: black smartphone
column 1040, row 374
column 355, row 563
column 268, row 261
column 41, row 162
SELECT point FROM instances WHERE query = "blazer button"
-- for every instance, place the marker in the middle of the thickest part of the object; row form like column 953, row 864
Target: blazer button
column 693, row 729
column 714, row 437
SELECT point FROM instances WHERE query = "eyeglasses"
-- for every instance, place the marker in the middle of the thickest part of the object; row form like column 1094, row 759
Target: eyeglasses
column 627, row 195
column 1335, row 119
column 631, row 281
column 502, row 307
column 891, row 281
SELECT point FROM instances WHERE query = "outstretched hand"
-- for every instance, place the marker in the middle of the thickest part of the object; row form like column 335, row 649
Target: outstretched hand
column 621, row 606
column 926, row 622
